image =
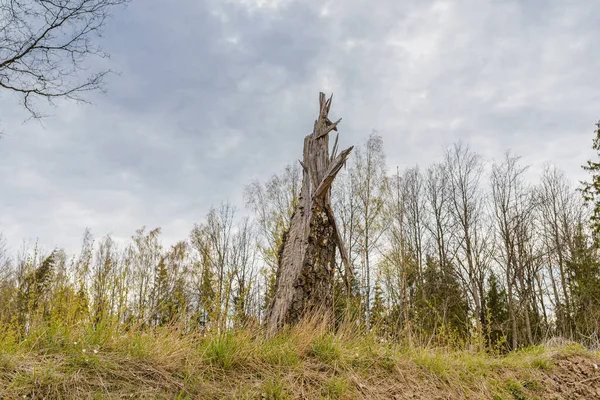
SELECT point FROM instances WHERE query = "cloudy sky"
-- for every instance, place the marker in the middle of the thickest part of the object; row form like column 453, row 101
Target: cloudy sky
column 214, row 94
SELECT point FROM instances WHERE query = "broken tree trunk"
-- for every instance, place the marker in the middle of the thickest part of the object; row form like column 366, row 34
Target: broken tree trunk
column 307, row 254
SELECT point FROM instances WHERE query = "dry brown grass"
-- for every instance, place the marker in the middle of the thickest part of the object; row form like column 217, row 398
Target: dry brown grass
column 305, row 362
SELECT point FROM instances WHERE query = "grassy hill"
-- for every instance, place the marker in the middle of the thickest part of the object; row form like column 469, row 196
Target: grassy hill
column 307, row 362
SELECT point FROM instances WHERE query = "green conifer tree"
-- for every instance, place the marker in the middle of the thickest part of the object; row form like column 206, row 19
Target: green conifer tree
column 591, row 189
column 497, row 313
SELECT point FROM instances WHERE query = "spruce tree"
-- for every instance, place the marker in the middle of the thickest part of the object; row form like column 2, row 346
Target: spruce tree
column 584, row 269
column 591, row 189
column 378, row 308
column 497, row 312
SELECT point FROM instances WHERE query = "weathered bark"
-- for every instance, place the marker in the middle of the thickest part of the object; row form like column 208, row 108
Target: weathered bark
column 307, row 254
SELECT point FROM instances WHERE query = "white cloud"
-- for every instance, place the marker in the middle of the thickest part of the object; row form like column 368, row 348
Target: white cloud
column 214, row 94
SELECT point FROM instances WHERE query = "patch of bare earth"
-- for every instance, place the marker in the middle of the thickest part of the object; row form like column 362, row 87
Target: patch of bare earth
column 573, row 377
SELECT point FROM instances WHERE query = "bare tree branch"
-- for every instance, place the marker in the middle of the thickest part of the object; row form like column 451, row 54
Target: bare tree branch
column 44, row 45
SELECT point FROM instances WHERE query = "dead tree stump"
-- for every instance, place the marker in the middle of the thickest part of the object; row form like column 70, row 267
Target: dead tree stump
column 307, row 254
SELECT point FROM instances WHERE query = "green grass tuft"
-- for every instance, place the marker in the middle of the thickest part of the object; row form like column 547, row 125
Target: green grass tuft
column 275, row 390
column 326, row 349
column 279, row 351
column 335, row 388
column 224, row 351
column 515, row 389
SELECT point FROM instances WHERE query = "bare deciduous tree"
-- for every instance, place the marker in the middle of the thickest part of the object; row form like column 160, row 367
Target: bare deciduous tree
column 464, row 171
column 557, row 206
column 413, row 187
column 437, row 195
column 273, row 204
column 369, row 175
column 44, row 45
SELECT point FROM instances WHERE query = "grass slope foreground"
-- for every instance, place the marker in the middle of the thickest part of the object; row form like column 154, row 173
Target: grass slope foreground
column 307, row 362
